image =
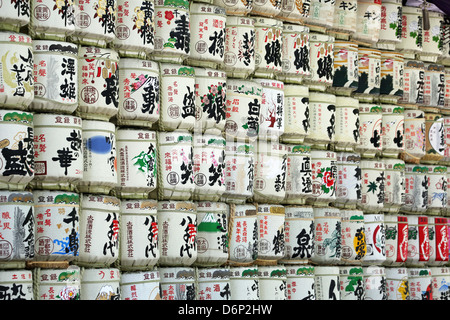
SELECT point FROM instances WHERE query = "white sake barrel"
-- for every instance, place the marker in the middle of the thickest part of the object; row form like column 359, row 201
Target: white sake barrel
column 298, row 174
column 243, row 109
column 139, row 242
column 268, row 46
column 327, row 236
column 412, row 31
column 17, row 153
column 95, row 24
column 98, row 83
column 322, row 115
column 213, row 284
column 321, row 14
column 393, row 129
column 369, row 69
column 210, row 100
column 100, row 284
column 397, row 286
column 294, row 11
column 99, row 230
column 323, row 175
column 392, row 76
column 177, row 94
column 272, row 282
column 172, row 31
column 58, row 155
column 346, row 136
column 10, row 280
column 370, row 130
column 418, row 241
column 296, row 122
column 414, row 136
column 322, row 61
column 434, row 87
column 18, row 239
column 432, row 38
column 375, row 232
column 209, row 166
column 139, row 92
column 207, row 35
column 57, row 216
column 396, row 240
column 439, row 241
column 271, row 239
column 345, row 67
column 353, row 240
column 300, row 282
column 440, row 279
column 416, row 188
column 375, row 283
column 437, row 189
column 373, row 181
column 266, row 8
column 100, row 160
column 434, row 137
column 391, row 24
column 445, row 56
column 212, row 233
column 56, row 76
column 177, row 283
column 446, row 159
column 394, row 187
column 17, row 86
column 414, row 83
column 326, row 283
column 235, row 7
column 351, row 283
column 140, row 285
column 58, row 284
column 239, row 56
column 176, row 173
column 244, row 283
column 178, row 233
column 135, row 28
column 348, row 180
column 368, row 22
column 14, row 16
column 420, row 283
column 243, row 235
column 345, row 16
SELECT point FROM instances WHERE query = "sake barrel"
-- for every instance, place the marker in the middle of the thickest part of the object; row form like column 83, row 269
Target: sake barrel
column 353, row 239
column 370, row 130
column 207, row 35
column 140, row 285
column 11, row 280
column 98, row 83
column 298, row 174
column 439, row 241
column 99, row 230
column 265, row 8
column 322, row 61
column 172, row 31
column 296, row 64
column 58, row 151
column 434, row 86
column 393, row 129
column 235, row 7
column 420, row 283
column 327, row 236
column 440, row 279
column 209, row 167
column 244, row 283
column 294, row 11
column 326, row 283
column 346, row 76
column 348, row 179
column 369, row 70
column 270, row 172
column 300, row 282
column 51, row 20
column 351, row 283
column 270, row 218
column 177, row 97
column 19, row 239
column 432, row 37
column 17, row 155
column 446, row 211
column 213, row 284
column 100, row 284
column 414, row 82
column 412, row 32
column 394, row 191
column 210, row 100
column 437, row 189
column 57, row 216
column 299, row 235
column 368, row 22
column 139, row 241
column 176, row 171
column 95, row 24
column 345, row 16
column 414, row 136
column 177, row 283
column 321, row 14
column 396, row 240
column 212, row 233
column 135, row 28
column 17, row 87
column 418, row 241
column 243, row 235
column 397, row 286
column 375, row 232
column 445, row 56
column 434, row 138
column 137, row 162
column 373, row 181
column 346, row 135
column 391, row 24
column 15, row 16
column 239, row 45
column 272, row 282
column 416, row 189
column 268, row 46
column 296, row 122
column 392, row 76
column 178, row 233
column 58, row 284
column 99, row 156
column 375, row 283
column 139, row 93
column 323, row 175
column 446, row 159
column 56, row 76
column 322, row 115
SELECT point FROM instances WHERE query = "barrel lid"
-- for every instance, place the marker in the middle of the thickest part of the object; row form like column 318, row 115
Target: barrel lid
column 298, row 90
column 322, row 97
column 342, row 101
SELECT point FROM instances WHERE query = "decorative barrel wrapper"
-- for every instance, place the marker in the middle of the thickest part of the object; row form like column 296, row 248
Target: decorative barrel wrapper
column 100, row 284
column 322, row 115
column 139, row 92
column 394, row 187
column 57, row 216
column 446, row 159
column 392, row 130
column 396, row 240
column 235, row 7
column 327, row 236
column 58, row 154
column 272, row 282
column 139, row 241
column 344, row 17
column 414, row 83
column 375, row 231
column 434, row 87
column 268, row 46
column 445, row 56
column 17, row 85
column 58, row 284
column 322, row 62
column 434, row 138
column 414, row 136
column 420, row 283
column 348, row 180
column 373, row 180
column 178, row 233
column 418, row 241
column 321, row 14
column 370, row 130
column 271, row 241
column 326, row 283
column 213, row 284
column 176, row 172
column 99, row 153
column 140, row 285
column 18, row 240
column 346, row 133
column 266, row 8
column 55, row 76
column 294, row 11
column 17, row 149
column 14, row 16
column 212, row 233
column 346, row 65
column 440, row 279
column 298, row 174
column 437, row 189
column 351, row 283
column 391, row 24
column 368, row 22
column 177, row 94
column 353, row 238
column 300, row 282
column 244, row 283
column 416, row 189
column 412, row 32
column 10, row 280
column 374, row 283
column 446, row 211
column 439, row 241
column 392, row 76
column 177, row 283
column 432, row 38
column 135, row 28
column 397, row 286
column 369, row 69
column 296, row 121
column 99, row 230
column 323, row 175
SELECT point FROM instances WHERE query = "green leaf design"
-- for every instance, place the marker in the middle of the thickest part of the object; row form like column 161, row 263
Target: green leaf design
column 372, row 187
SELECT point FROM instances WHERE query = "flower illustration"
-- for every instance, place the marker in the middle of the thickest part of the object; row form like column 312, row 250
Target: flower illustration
column 69, row 293
column 327, row 179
